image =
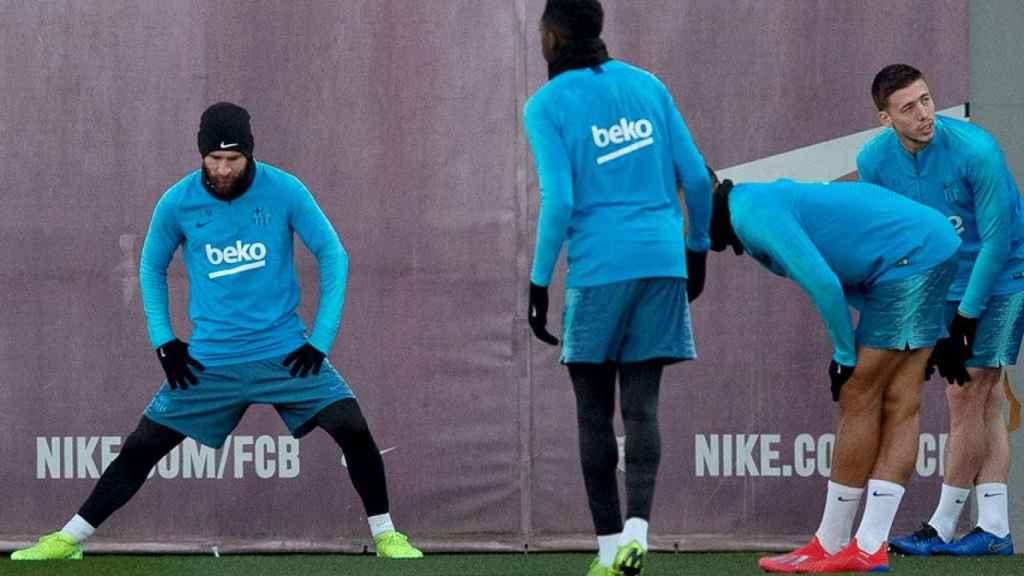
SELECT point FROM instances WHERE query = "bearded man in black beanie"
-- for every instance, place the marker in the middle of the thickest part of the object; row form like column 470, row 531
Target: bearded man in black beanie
column 235, row 219
column 226, row 145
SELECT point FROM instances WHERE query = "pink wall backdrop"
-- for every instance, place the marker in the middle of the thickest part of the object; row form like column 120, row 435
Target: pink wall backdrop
column 404, row 120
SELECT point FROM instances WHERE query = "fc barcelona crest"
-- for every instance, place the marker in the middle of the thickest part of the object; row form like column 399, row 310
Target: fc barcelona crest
column 261, row 217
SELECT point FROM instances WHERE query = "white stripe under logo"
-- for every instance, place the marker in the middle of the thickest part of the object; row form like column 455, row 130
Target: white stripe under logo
column 625, row 150
column 237, row 269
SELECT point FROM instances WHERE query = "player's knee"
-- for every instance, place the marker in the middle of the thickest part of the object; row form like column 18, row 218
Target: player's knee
column 640, row 412
column 970, row 396
column 638, row 416
column 594, row 430
column 995, row 401
column 987, row 377
column 865, row 385
column 135, row 443
column 902, row 398
column 343, row 420
column 354, row 425
column 594, row 414
column 872, row 366
column 143, row 448
column 903, row 407
column 596, row 461
column 860, row 395
column 645, row 456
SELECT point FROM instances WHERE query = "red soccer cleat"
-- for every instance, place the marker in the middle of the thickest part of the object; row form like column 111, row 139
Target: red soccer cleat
column 850, row 559
column 790, row 563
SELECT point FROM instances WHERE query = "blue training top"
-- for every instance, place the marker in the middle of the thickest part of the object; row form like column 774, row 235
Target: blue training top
column 961, row 173
column 243, row 291
column 833, row 238
column 610, row 147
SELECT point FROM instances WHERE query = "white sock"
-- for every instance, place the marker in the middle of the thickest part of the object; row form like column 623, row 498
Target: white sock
column 992, row 513
column 607, row 546
column 380, row 523
column 837, row 520
column 947, row 513
column 635, row 529
column 882, row 503
column 78, row 529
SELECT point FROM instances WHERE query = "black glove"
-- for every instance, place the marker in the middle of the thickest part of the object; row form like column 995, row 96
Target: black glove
column 539, row 314
column 838, row 374
column 304, row 359
column 951, row 354
column 929, row 367
column 175, row 359
column 696, row 270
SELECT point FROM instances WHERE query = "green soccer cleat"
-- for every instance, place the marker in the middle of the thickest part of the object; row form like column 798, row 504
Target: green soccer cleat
column 56, row 546
column 629, row 560
column 393, row 544
column 597, row 570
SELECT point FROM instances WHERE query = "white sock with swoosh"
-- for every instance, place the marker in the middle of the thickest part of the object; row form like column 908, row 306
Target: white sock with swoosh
column 837, row 520
column 947, row 513
column 992, row 512
column 879, row 511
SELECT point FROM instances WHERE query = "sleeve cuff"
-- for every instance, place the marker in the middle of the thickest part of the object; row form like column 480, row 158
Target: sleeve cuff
column 845, row 358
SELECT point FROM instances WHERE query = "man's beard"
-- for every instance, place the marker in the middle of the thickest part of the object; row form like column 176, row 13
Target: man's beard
column 226, row 188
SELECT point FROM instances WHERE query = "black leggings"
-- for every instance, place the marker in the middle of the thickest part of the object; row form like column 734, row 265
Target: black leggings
column 150, row 442
column 122, row 479
column 594, row 385
column 344, row 421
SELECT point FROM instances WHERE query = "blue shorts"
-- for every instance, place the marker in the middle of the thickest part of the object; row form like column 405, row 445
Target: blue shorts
column 209, row 411
column 630, row 321
column 906, row 314
column 1000, row 328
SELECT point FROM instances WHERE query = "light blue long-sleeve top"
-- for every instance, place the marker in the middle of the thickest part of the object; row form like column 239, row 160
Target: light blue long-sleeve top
column 611, row 149
column 834, row 238
column 243, row 290
column 961, row 173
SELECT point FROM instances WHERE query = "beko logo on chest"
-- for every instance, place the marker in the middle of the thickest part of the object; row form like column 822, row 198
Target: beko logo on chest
column 248, row 256
column 638, row 134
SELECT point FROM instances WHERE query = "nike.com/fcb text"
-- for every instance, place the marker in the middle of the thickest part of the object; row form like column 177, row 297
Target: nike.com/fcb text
column 768, row 456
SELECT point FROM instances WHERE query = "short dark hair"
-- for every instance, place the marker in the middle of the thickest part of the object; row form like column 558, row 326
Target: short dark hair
column 580, row 19
column 890, row 79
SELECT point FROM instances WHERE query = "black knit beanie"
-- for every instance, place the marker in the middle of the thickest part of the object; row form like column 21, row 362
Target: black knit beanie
column 225, row 126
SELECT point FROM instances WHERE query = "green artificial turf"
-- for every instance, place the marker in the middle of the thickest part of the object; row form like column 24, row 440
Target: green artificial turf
column 534, row 564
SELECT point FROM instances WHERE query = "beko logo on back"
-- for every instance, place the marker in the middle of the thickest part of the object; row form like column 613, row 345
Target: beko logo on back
column 637, row 134
column 248, row 256
column 624, row 131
